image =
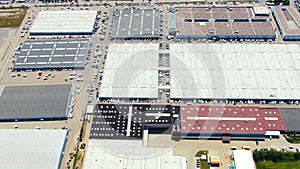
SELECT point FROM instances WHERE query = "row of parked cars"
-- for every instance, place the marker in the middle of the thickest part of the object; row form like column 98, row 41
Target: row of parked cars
column 289, row 149
column 297, row 4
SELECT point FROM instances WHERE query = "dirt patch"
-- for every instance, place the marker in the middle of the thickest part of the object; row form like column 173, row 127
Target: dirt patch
column 3, row 34
column 12, row 18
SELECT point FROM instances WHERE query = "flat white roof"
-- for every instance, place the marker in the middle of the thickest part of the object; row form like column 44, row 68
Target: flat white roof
column 90, row 109
column 243, row 159
column 261, row 10
column 272, row 133
column 129, row 154
column 64, row 22
column 131, row 71
column 31, row 148
column 247, row 71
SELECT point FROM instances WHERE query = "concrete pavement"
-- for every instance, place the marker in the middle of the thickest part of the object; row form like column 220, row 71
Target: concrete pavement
column 189, row 148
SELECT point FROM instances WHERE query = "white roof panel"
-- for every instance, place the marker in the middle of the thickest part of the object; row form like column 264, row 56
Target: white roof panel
column 90, row 109
column 243, row 159
column 261, row 10
column 64, row 22
column 259, row 71
column 31, row 148
column 131, row 71
column 272, row 133
column 129, row 154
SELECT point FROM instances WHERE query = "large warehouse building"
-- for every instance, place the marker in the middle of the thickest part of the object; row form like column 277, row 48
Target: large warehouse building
column 136, row 24
column 44, row 102
column 220, row 23
column 124, row 121
column 232, row 72
column 131, row 71
column 136, row 121
column 288, row 21
column 31, row 148
column 64, row 23
column 243, row 159
column 229, row 122
column 52, row 54
column 129, row 154
column 235, row 71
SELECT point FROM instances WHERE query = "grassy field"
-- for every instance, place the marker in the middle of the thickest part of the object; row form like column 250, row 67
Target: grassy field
column 278, row 165
column 276, row 160
column 201, row 152
column 12, row 17
column 203, row 164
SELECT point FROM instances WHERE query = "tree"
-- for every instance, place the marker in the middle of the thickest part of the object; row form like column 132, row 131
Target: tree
column 286, row 2
column 288, row 157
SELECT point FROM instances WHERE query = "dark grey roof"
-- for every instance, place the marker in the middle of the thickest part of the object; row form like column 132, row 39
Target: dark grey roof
column 35, row 102
column 52, row 54
column 291, row 117
column 136, row 23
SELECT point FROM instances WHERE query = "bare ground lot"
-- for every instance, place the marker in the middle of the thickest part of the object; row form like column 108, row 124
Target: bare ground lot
column 3, row 33
column 11, row 17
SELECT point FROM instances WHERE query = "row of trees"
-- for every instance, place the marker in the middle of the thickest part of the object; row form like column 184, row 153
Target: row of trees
column 292, row 138
column 277, row 2
column 56, row 1
column 275, row 156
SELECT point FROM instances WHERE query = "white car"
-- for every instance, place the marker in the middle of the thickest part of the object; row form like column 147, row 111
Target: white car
column 70, row 116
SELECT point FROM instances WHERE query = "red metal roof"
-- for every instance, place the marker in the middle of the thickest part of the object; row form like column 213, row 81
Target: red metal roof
column 230, row 119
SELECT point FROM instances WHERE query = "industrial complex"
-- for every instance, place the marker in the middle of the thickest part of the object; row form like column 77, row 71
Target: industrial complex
column 203, row 71
column 119, row 121
column 151, row 85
